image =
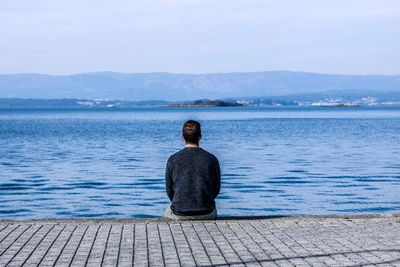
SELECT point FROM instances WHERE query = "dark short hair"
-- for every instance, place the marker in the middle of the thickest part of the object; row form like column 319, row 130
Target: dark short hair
column 191, row 131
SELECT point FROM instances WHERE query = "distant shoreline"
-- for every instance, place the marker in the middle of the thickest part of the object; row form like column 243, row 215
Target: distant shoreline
column 73, row 103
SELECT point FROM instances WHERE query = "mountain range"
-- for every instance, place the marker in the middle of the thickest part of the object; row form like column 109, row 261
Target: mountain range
column 168, row 86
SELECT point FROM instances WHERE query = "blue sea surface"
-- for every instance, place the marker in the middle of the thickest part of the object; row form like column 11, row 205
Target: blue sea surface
column 274, row 161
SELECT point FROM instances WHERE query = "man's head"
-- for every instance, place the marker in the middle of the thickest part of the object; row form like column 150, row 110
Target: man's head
column 191, row 132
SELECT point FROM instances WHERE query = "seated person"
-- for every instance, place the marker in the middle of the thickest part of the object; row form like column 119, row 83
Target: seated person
column 193, row 179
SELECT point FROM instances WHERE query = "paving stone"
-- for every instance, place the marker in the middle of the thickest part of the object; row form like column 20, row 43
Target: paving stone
column 52, row 254
column 126, row 249
column 14, row 244
column 141, row 255
column 291, row 241
column 69, row 250
column 30, row 246
column 82, row 252
column 44, row 246
column 111, row 252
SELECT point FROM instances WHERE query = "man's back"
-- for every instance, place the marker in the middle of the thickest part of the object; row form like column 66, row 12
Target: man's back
column 193, row 181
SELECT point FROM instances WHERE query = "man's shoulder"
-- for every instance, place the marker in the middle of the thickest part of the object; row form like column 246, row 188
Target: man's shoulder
column 209, row 155
column 183, row 152
column 173, row 156
column 176, row 155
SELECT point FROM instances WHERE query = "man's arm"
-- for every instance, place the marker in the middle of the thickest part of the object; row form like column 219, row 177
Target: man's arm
column 169, row 186
column 217, row 187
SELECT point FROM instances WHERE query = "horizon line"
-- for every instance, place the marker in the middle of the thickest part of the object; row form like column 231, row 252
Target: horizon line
column 194, row 74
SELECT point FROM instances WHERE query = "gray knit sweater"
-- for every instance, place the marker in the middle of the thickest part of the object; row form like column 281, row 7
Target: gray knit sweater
column 193, row 181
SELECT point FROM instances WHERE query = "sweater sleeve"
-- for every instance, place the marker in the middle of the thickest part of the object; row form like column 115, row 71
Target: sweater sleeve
column 217, row 187
column 169, row 186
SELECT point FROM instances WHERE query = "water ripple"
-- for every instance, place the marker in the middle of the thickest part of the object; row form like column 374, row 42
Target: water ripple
column 64, row 164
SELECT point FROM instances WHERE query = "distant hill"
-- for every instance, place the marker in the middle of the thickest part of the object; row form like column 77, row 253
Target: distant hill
column 166, row 86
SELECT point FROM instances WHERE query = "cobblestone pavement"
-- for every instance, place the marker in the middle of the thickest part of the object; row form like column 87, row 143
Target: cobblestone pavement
column 286, row 241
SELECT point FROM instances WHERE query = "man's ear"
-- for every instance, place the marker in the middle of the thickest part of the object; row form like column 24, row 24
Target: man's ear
column 200, row 136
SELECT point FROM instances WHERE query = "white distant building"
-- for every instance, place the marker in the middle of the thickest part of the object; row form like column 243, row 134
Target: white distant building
column 85, row 103
column 370, row 100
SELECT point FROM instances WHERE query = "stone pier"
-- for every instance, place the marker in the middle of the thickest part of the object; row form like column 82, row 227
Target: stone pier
column 364, row 240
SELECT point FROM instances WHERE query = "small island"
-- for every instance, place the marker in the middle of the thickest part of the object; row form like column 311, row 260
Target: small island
column 333, row 104
column 206, row 103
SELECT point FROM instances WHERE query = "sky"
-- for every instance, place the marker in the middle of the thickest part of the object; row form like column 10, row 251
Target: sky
column 199, row 36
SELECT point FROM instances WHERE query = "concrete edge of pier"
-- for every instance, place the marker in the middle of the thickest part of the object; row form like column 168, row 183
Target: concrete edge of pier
column 220, row 218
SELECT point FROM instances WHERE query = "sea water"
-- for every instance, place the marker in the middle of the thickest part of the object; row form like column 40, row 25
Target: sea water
column 274, row 161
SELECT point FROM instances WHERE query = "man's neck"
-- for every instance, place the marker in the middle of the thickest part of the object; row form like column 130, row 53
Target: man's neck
column 191, row 145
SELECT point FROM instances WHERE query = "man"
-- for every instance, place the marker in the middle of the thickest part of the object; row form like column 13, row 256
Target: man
column 193, row 179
